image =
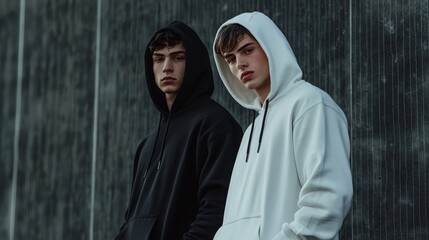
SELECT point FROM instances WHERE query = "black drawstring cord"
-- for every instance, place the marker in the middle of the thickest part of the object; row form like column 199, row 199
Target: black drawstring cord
column 163, row 141
column 262, row 130
column 263, row 124
column 250, row 138
column 154, row 145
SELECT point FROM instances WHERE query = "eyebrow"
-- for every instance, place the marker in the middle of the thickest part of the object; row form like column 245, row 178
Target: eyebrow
column 238, row 50
column 170, row 54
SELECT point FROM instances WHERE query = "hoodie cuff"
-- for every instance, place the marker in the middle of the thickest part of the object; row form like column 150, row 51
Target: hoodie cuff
column 288, row 234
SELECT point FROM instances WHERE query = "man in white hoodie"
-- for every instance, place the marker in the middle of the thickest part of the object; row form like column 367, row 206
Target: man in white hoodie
column 291, row 178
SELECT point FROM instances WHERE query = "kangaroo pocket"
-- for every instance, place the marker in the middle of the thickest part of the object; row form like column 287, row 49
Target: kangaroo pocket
column 242, row 229
column 137, row 229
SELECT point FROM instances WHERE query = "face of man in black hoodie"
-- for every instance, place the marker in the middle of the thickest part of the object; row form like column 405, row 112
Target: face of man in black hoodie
column 169, row 69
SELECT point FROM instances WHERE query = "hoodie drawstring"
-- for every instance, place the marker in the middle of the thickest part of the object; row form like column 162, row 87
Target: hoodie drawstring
column 263, row 124
column 163, row 141
column 260, row 134
column 154, row 145
column 250, row 137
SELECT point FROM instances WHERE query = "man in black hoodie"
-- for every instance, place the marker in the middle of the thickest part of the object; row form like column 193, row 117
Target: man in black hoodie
column 182, row 169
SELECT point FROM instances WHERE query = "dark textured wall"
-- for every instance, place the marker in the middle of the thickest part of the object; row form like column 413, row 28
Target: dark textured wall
column 74, row 105
column 390, row 119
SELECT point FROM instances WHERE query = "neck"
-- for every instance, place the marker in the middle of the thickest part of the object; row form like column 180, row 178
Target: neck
column 169, row 97
column 262, row 95
column 263, row 91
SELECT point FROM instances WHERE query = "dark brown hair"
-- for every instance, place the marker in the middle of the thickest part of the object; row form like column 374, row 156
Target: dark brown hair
column 164, row 39
column 229, row 36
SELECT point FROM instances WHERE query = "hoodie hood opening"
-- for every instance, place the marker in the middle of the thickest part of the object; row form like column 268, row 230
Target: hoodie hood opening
column 198, row 76
column 283, row 66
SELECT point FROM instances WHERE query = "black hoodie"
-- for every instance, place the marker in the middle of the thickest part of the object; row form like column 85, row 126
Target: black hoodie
column 182, row 169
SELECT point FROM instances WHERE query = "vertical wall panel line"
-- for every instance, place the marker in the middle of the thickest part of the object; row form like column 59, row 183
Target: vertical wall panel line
column 95, row 123
column 351, row 97
column 17, row 121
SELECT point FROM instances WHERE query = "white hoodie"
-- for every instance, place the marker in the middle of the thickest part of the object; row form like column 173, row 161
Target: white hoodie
column 298, row 185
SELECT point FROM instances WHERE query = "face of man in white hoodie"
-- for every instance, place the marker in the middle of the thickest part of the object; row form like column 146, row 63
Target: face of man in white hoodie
column 249, row 64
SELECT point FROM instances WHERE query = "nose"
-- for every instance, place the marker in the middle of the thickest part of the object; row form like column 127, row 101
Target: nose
column 241, row 62
column 168, row 66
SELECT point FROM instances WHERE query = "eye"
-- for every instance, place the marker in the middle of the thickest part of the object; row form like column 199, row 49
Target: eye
column 230, row 59
column 180, row 57
column 248, row 51
column 158, row 59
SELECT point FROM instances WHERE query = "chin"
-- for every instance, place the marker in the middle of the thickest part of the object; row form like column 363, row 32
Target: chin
column 249, row 86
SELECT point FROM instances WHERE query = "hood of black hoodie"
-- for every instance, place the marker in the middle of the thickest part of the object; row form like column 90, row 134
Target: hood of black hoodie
column 198, row 77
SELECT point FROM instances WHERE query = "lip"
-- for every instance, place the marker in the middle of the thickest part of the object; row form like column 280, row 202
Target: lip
column 245, row 76
column 167, row 79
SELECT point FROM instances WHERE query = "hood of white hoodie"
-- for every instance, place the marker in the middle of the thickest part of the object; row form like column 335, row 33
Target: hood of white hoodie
column 285, row 72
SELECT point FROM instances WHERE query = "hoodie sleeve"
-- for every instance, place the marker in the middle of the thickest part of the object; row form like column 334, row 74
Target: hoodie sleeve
column 135, row 165
column 217, row 146
column 322, row 151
